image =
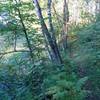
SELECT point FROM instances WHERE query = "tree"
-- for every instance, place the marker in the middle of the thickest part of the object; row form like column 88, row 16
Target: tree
column 25, row 32
column 65, row 25
column 52, row 43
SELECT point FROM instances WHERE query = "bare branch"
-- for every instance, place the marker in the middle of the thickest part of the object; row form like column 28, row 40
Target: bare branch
column 14, row 51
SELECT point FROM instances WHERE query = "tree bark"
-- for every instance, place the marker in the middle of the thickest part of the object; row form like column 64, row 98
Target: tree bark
column 48, row 49
column 52, row 32
column 25, row 32
column 50, row 19
column 36, row 78
column 51, row 42
column 65, row 25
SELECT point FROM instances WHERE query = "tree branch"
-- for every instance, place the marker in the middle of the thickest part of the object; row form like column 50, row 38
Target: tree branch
column 14, row 51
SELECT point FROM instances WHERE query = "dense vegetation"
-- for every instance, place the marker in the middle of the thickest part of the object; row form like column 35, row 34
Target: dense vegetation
column 36, row 66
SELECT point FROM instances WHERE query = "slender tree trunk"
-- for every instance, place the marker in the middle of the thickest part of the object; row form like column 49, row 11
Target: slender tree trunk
column 25, row 32
column 48, row 49
column 52, row 32
column 50, row 19
column 15, row 40
column 51, row 42
column 65, row 25
column 97, row 7
column 59, row 23
column 50, row 22
column 36, row 79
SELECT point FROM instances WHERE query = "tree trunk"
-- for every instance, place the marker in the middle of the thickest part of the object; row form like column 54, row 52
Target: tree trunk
column 50, row 19
column 25, row 32
column 36, row 78
column 65, row 25
column 51, row 42
column 97, row 7
column 48, row 49
column 52, row 32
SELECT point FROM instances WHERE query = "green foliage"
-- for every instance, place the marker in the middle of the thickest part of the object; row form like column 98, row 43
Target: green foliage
column 79, row 77
column 65, row 86
column 87, row 55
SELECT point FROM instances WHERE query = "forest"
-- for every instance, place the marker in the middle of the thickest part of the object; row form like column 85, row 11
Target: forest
column 49, row 49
